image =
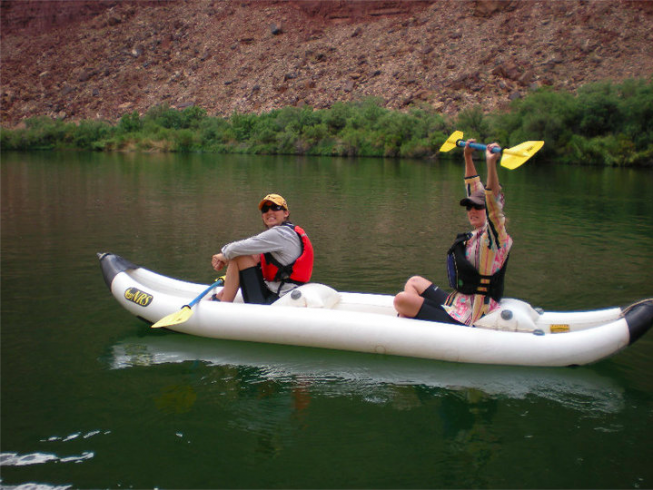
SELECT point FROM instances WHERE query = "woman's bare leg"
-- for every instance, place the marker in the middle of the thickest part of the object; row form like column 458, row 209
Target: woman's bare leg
column 232, row 279
column 409, row 302
column 417, row 285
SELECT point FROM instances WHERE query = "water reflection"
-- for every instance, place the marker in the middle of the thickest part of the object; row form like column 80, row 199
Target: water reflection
column 183, row 412
column 400, row 383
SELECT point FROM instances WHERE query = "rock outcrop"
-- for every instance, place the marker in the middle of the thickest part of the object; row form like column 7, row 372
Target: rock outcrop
column 99, row 59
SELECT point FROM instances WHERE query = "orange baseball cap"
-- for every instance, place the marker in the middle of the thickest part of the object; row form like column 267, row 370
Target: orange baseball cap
column 274, row 198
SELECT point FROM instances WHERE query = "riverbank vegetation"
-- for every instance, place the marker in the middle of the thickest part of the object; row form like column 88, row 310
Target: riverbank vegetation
column 603, row 124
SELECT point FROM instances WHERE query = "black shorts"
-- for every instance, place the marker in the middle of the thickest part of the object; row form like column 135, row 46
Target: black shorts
column 254, row 287
column 432, row 309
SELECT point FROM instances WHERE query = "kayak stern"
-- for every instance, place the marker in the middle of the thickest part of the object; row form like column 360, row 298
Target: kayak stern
column 639, row 317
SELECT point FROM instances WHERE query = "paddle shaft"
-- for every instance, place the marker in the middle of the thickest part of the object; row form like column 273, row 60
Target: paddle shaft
column 478, row 146
column 202, row 294
column 185, row 313
column 495, row 149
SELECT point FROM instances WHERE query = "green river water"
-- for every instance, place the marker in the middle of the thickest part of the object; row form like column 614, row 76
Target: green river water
column 92, row 398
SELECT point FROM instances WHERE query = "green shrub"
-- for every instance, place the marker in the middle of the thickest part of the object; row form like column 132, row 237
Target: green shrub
column 336, row 117
column 604, row 124
column 313, row 135
column 416, row 148
column 185, row 140
column 243, row 125
column 599, row 109
column 12, row 139
column 192, row 117
column 88, row 133
column 44, row 133
column 473, row 121
column 163, row 116
column 130, row 123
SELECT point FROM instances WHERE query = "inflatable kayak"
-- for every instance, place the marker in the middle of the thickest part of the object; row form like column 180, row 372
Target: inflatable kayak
column 315, row 315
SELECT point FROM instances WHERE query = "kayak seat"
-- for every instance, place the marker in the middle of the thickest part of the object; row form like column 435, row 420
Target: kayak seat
column 512, row 315
column 311, row 295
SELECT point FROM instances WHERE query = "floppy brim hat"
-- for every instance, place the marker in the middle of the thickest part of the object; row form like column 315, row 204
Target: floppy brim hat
column 274, row 198
column 476, row 199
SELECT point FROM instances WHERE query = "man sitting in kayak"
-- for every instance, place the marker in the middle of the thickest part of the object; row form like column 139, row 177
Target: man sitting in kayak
column 476, row 261
column 270, row 264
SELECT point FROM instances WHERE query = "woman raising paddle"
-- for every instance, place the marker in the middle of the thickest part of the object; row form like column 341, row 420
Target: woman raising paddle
column 270, row 264
column 476, row 261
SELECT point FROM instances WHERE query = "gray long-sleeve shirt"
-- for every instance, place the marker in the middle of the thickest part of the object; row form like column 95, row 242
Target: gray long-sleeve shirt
column 281, row 241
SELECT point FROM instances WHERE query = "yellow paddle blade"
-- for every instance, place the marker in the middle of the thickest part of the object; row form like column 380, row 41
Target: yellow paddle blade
column 450, row 144
column 174, row 318
column 518, row 155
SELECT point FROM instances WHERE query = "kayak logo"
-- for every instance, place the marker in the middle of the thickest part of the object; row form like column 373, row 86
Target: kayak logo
column 137, row 296
column 559, row 328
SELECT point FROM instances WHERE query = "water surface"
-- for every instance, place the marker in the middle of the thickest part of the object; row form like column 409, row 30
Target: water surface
column 92, row 398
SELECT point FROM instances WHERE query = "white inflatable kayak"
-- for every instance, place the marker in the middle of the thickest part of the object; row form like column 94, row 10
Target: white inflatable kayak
column 315, row 315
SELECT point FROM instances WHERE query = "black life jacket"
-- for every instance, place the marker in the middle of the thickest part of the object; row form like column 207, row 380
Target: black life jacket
column 465, row 278
column 298, row 272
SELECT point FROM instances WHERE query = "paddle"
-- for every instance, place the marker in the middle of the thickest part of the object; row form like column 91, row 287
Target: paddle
column 186, row 312
column 511, row 158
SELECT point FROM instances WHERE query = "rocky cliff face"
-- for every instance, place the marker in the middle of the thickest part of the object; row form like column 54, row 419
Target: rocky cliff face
column 79, row 59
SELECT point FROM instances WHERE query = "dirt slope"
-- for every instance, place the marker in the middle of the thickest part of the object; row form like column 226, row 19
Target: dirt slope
column 100, row 59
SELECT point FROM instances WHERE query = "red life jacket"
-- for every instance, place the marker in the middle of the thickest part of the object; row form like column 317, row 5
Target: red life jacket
column 299, row 272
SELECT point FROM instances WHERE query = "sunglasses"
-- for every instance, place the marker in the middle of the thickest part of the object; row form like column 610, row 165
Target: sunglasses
column 273, row 207
column 478, row 207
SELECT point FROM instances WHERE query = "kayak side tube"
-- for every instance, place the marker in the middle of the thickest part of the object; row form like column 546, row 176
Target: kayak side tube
column 639, row 317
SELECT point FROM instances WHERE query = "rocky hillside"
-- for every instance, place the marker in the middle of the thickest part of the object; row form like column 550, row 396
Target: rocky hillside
column 87, row 59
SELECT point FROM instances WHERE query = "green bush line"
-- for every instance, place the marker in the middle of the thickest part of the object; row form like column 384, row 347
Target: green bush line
column 603, row 124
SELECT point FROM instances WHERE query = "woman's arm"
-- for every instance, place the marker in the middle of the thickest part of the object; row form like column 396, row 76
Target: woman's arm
column 494, row 199
column 492, row 174
column 470, row 168
column 271, row 240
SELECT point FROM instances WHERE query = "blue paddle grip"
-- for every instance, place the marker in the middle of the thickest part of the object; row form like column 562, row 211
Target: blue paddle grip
column 477, row 146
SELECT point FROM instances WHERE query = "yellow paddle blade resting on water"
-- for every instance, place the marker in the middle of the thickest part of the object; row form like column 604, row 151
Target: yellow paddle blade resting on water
column 186, row 311
column 511, row 158
column 175, row 318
